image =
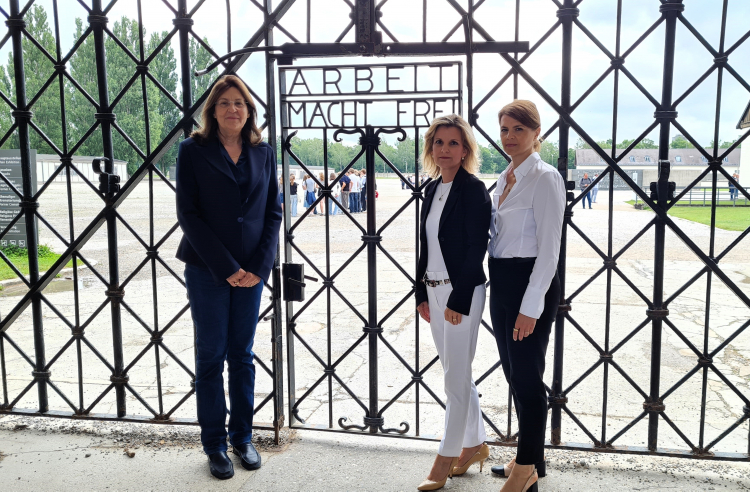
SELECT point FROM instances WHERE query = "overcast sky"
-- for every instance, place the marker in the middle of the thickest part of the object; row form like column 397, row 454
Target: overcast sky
column 403, row 19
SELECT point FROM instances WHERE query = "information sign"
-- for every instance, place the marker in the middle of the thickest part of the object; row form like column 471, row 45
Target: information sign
column 10, row 167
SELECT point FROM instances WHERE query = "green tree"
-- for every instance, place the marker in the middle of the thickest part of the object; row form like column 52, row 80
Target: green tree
column 646, row 143
column 38, row 69
column 549, row 153
column 681, row 143
column 722, row 143
column 164, row 69
column 200, row 58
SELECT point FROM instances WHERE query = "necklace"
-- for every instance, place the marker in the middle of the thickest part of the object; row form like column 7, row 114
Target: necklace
column 446, row 187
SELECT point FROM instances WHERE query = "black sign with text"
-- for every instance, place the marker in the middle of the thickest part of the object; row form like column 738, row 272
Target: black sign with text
column 10, row 167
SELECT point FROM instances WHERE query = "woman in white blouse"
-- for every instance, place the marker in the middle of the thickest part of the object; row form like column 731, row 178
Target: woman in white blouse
column 527, row 216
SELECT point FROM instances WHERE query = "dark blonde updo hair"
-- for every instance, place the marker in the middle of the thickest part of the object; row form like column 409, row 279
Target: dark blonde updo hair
column 470, row 162
column 526, row 113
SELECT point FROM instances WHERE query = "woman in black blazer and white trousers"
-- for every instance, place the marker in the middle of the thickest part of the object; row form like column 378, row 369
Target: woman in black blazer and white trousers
column 229, row 211
column 450, row 290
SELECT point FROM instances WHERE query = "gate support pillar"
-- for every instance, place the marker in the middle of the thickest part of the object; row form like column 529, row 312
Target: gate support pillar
column 29, row 204
column 670, row 10
column 98, row 20
column 370, row 142
column 556, row 397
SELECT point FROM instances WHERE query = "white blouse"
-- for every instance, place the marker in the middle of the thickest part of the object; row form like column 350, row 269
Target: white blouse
column 435, row 261
column 529, row 224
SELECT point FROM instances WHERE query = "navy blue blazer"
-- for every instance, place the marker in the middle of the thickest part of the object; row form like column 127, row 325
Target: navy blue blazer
column 221, row 233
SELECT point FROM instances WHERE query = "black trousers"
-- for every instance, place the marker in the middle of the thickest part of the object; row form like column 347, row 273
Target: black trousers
column 523, row 362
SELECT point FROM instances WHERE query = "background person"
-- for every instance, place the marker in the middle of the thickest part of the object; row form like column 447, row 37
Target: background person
column 293, row 195
column 585, row 183
column 335, row 192
column 322, row 203
column 229, row 212
column 594, row 189
column 345, row 185
column 450, row 292
column 363, row 192
column 309, row 186
column 527, row 208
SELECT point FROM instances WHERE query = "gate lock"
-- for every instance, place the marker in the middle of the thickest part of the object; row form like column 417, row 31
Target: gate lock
column 108, row 182
column 569, row 187
column 294, row 281
column 654, row 189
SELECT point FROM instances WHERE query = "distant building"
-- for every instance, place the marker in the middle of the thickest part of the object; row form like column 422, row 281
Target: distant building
column 745, row 163
column 46, row 164
column 686, row 164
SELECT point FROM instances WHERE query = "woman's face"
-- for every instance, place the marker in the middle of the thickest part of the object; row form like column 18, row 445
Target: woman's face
column 231, row 111
column 291, row 178
column 448, row 148
column 516, row 138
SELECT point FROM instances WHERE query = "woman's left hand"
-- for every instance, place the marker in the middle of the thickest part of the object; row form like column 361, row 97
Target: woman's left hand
column 452, row 317
column 524, row 327
column 250, row 280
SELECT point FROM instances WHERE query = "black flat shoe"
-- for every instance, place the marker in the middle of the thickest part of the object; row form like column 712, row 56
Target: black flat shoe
column 249, row 457
column 541, row 469
column 220, row 465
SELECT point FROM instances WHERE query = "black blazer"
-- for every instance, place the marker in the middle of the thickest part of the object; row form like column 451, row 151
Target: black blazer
column 463, row 234
column 221, row 233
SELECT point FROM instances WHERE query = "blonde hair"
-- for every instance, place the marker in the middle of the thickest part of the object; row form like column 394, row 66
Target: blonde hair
column 209, row 127
column 526, row 113
column 470, row 162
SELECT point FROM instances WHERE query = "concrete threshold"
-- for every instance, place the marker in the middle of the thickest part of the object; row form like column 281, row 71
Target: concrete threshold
column 61, row 455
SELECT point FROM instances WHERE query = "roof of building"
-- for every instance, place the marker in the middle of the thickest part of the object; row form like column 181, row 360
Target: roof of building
column 641, row 157
column 745, row 119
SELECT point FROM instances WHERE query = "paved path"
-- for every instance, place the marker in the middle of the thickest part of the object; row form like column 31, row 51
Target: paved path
column 60, row 456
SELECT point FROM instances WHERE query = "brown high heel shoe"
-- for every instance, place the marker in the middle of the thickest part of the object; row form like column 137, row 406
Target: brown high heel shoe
column 430, row 485
column 480, row 456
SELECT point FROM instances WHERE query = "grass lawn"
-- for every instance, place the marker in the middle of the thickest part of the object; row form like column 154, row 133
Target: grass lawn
column 22, row 263
column 727, row 217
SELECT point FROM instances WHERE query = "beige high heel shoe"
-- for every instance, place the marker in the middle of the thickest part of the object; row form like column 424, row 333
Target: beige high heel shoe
column 480, row 456
column 531, row 485
column 430, row 485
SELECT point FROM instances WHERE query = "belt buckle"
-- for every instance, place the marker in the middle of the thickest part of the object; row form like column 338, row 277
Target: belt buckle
column 428, row 282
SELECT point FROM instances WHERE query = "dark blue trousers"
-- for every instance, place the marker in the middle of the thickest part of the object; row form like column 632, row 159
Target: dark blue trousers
column 225, row 318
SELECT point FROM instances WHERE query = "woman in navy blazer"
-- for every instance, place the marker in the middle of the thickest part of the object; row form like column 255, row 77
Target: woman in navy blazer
column 229, row 212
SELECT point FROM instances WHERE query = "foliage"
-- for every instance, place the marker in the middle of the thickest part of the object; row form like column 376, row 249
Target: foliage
column 43, row 250
column 145, row 128
column 680, row 142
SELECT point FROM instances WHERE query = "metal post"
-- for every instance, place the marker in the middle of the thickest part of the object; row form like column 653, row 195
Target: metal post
column 98, row 20
column 29, row 205
column 370, row 143
column 183, row 24
column 277, row 357
column 366, row 20
column 670, row 10
column 557, row 399
column 288, row 258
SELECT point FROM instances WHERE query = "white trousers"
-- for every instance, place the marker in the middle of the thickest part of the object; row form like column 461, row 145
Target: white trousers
column 456, row 346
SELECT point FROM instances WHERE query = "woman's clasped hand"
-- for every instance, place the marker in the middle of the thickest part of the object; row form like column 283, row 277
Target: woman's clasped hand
column 241, row 278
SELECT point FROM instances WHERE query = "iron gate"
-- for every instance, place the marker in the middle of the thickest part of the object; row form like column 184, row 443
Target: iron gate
column 474, row 42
